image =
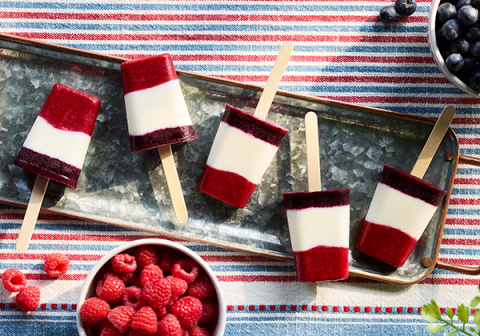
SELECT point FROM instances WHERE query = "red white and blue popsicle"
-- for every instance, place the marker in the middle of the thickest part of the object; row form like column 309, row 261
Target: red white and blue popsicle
column 403, row 204
column 318, row 221
column 245, row 144
column 55, row 147
column 157, row 116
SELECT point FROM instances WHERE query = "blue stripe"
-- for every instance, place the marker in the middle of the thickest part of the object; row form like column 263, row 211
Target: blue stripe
column 468, row 170
column 465, row 191
column 369, row 88
column 462, row 211
column 210, row 7
column 250, row 48
column 197, row 28
column 452, row 251
column 91, row 228
column 84, row 266
column 253, row 268
column 459, row 231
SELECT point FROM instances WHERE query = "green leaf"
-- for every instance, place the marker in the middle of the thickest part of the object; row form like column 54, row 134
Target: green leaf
column 475, row 302
column 463, row 313
column 431, row 312
column 435, row 328
column 476, row 318
column 449, row 333
column 450, row 313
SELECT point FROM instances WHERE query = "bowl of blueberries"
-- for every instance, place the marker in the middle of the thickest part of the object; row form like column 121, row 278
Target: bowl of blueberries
column 454, row 41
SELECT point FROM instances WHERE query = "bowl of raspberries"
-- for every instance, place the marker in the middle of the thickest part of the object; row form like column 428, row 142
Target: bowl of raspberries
column 454, row 41
column 151, row 287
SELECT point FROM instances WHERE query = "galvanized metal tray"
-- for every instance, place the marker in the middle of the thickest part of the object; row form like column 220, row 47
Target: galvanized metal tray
column 129, row 190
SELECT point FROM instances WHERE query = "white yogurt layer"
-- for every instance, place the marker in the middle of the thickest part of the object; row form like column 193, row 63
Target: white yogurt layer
column 69, row 147
column 238, row 152
column 398, row 210
column 311, row 227
column 155, row 108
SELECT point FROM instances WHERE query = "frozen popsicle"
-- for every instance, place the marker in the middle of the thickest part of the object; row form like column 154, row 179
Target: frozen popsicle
column 245, row 144
column 157, row 116
column 403, row 204
column 55, row 147
column 58, row 140
column 318, row 221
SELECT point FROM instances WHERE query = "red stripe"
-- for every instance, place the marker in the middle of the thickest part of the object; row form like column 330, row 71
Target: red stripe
column 46, row 277
column 474, row 181
column 462, row 261
column 457, row 281
column 467, row 121
column 401, row 99
column 461, row 241
column 461, row 201
column 84, row 37
column 43, row 256
column 81, row 237
column 242, row 18
column 469, row 141
column 462, row 221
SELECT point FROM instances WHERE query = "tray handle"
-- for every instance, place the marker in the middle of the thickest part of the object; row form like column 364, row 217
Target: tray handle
column 468, row 270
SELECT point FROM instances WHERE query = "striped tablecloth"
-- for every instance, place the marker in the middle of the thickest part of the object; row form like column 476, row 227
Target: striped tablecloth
column 342, row 52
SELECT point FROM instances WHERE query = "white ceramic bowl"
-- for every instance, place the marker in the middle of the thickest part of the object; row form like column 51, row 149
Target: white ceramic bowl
column 88, row 288
column 437, row 56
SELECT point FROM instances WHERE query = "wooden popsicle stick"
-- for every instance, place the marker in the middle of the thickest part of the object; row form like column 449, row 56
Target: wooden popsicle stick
column 273, row 81
column 31, row 215
column 433, row 141
column 313, row 152
column 173, row 183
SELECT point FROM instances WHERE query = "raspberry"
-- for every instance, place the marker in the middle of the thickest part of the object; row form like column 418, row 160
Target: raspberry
column 199, row 331
column 56, row 264
column 157, row 293
column 109, row 330
column 188, row 311
column 210, row 310
column 150, row 273
column 178, row 286
column 28, row 298
column 128, row 278
column 110, row 288
column 169, row 258
column 13, row 280
column 124, row 263
column 162, row 312
column 169, row 326
column 146, row 255
column 120, row 317
column 132, row 296
column 186, row 269
column 94, row 310
column 132, row 332
column 202, row 287
column 145, row 321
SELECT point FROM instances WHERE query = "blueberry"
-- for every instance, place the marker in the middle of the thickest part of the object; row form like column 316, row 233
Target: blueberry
column 454, row 62
column 452, row 29
column 467, row 15
column 446, row 12
column 388, row 14
column 469, row 64
column 473, row 34
column 474, row 80
column 475, row 50
column 405, row 7
column 460, row 46
column 462, row 3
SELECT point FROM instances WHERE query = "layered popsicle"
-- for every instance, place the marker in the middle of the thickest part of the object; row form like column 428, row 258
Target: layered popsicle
column 58, row 141
column 157, row 114
column 401, row 208
column 241, row 152
column 319, row 224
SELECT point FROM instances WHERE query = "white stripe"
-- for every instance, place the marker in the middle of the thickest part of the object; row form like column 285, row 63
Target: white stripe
column 312, row 227
column 69, row 147
column 238, row 152
column 162, row 106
